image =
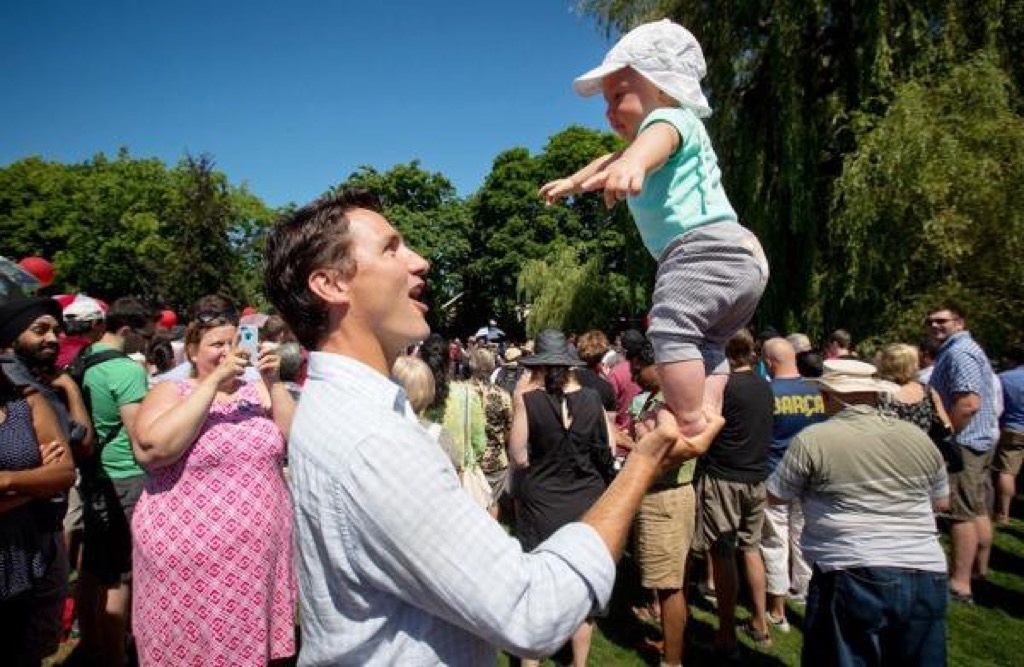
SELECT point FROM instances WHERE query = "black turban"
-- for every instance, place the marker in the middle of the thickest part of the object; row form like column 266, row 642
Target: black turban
column 18, row 314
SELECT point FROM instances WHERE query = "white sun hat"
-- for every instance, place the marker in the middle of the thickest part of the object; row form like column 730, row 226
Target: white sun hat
column 666, row 54
column 849, row 376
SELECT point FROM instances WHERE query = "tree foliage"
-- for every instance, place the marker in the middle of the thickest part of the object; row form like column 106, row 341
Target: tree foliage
column 134, row 226
column 796, row 85
column 930, row 207
column 516, row 233
column 567, row 293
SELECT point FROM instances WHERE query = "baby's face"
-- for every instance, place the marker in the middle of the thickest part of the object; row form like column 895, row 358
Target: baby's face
column 630, row 98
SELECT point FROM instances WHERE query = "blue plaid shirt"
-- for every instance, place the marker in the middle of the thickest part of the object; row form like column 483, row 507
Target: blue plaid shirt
column 396, row 564
column 961, row 367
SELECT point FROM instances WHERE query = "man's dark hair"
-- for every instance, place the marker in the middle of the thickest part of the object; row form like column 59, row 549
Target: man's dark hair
column 645, row 355
column 314, row 237
column 1015, row 354
column 160, row 353
column 842, row 338
column 129, row 312
column 810, row 364
column 951, row 306
column 740, row 348
column 632, row 342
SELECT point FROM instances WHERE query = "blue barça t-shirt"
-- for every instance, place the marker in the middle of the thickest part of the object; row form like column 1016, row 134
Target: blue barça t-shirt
column 798, row 404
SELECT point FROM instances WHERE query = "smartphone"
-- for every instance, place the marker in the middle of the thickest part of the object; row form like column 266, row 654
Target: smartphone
column 249, row 340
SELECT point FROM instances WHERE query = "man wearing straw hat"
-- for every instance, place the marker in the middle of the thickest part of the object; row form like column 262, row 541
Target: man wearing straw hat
column 869, row 484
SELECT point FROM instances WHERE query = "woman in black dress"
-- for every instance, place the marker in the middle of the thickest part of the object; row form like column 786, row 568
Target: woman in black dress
column 560, row 445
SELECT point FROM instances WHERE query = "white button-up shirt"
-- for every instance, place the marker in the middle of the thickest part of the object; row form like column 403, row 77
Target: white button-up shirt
column 396, row 564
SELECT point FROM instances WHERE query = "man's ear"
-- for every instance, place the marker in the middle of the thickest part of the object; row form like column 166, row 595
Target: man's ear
column 329, row 285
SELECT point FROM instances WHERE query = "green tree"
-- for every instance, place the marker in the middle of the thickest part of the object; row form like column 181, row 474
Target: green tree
column 133, row 226
column 791, row 83
column 573, row 295
column 930, row 206
column 513, row 229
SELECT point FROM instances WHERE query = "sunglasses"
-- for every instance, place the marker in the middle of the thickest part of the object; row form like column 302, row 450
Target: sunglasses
column 214, row 316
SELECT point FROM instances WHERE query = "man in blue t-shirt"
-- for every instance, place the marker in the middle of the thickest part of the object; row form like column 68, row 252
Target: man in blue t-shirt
column 1010, row 451
column 798, row 404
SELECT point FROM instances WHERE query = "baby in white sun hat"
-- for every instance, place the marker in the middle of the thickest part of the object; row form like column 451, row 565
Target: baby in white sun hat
column 711, row 270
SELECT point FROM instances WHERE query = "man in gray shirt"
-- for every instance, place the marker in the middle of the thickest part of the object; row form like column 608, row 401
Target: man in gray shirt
column 868, row 483
column 396, row 563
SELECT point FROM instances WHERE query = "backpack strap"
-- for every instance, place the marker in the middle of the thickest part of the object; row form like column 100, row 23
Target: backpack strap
column 101, row 357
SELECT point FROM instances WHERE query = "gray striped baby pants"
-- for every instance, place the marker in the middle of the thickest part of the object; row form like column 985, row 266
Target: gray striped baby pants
column 709, row 282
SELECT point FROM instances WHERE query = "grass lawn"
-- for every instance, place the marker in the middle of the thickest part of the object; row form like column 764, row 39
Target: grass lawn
column 989, row 633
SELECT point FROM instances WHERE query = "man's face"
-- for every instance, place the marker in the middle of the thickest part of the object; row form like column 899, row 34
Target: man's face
column 38, row 344
column 645, row 376
column 387, row 285
column 942, row 324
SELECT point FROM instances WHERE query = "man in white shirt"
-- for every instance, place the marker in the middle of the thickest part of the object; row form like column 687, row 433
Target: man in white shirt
column 396, row 564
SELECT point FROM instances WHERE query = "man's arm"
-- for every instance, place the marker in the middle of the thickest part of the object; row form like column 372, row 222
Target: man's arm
column 416, row 535
column 791, row 475
column 965, row 406
column 612, row 515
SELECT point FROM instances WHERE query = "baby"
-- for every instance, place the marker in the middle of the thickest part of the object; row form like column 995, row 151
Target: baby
column 711, row 270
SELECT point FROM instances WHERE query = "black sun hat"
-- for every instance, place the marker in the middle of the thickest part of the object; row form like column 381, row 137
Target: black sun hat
column 551, row 349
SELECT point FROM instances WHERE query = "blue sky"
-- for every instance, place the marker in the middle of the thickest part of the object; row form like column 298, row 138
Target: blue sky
column 291, row 97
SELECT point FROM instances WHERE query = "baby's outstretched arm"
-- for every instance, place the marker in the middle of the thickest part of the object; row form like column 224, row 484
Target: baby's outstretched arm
column 625, row 176
column 570, row 185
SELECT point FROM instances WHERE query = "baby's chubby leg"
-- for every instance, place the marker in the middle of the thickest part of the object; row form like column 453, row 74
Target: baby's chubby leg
column 683, row 384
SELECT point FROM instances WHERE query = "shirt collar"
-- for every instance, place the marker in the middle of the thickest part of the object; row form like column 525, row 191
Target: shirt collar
column 955, row 339
column 338, row 369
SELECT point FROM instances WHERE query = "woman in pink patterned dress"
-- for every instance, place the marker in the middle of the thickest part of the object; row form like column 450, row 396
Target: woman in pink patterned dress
column 213, row 582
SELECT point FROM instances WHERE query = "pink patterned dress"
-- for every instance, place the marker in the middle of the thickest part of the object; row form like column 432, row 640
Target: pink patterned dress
column 213, row 581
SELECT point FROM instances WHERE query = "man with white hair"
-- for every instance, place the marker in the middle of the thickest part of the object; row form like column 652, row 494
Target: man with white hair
column 869, row 485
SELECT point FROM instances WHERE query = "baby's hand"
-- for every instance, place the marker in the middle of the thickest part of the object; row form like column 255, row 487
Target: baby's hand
column 619, row 180
column 557, row 189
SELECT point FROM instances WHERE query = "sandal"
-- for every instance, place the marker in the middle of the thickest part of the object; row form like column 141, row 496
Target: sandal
column 962, row 598
column 759, row 640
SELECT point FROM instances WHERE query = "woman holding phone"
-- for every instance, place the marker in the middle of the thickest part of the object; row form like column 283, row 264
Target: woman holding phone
column 213, row 529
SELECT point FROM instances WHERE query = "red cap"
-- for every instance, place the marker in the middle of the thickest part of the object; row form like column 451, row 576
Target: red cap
column 168, row 319
column 41, row 268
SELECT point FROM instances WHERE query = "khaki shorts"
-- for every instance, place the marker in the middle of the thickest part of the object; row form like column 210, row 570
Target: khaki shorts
column 731, row 514
column 1009, row 453
column 664, row 530
column 967, row 487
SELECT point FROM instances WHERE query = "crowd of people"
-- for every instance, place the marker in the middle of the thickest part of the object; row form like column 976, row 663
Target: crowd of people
column 822, row 481
column 404, row 500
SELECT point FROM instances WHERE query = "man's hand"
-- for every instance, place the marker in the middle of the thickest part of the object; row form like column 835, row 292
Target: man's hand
column 661, row 438
column 619, row 180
